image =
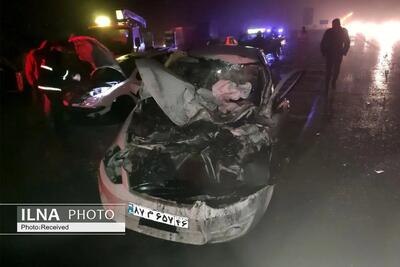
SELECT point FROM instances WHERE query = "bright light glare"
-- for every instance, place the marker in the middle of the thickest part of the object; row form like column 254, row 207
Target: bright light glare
column 386, row 34
column 280, row 30
column 346, row 17
column 102, row 21
column 255, row 30
column 119, row 15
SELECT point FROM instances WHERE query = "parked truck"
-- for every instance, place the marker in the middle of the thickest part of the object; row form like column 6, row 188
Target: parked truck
column 189, row 37
column 122, row 34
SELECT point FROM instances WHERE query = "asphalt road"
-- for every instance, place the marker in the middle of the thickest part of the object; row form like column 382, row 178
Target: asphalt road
column 336, row 202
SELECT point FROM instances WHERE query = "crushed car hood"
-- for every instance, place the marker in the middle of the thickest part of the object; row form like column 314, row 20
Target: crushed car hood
column 180, row 147
column 181, row 101
column 218, row 164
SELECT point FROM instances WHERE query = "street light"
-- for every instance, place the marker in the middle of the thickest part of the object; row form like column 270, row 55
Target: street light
column 102, row 21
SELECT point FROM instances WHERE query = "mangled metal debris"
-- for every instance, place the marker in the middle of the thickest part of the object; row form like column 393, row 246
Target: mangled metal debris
column 198, row 145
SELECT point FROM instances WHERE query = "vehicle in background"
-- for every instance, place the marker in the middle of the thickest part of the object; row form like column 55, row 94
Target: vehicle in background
column 108, row 89
column 188, row 37
column 123, row 34
column 192, row 162
column 270, row 40
column 81, row 74
column 84, row 76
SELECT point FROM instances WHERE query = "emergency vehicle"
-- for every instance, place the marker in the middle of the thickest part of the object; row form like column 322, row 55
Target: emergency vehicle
column 122, row 34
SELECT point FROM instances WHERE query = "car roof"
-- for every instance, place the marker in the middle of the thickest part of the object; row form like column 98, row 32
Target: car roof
column 146, row 54
column 248, row 52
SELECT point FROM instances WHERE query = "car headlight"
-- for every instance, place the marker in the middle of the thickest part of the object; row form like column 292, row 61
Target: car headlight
column 98, row 91
column 92, row 98
column 90, row 102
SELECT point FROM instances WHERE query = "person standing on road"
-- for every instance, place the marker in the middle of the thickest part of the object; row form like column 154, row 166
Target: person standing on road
column 334, row 45
column 258, row 41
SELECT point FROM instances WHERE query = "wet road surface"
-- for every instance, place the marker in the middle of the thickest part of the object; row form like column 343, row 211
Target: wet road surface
column 336, row 203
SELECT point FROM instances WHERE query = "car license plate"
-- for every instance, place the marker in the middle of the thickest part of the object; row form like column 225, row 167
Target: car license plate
column 161, row 217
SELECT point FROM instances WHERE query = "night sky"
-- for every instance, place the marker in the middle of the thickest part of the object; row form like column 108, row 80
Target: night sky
column 25, row 23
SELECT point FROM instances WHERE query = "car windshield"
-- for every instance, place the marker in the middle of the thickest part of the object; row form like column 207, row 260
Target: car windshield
column 239, row 81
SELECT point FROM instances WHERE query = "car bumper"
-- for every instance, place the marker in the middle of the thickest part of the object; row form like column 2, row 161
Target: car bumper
column 206, row 224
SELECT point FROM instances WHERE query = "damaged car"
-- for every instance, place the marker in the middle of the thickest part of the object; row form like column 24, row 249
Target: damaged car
column 81, row 75
column 192, row 162
column 89, row 81
column 114, row 84
column 107, row 87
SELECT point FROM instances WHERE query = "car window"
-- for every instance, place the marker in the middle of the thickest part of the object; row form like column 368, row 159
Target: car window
column 217, row 75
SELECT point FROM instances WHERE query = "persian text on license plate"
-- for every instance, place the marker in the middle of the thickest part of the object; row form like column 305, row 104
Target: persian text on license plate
column 157, row 216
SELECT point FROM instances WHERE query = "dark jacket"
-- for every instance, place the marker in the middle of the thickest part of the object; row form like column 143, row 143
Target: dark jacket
column 335, row 42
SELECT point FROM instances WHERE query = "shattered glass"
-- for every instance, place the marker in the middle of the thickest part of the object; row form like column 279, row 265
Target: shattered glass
column 228, row 82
